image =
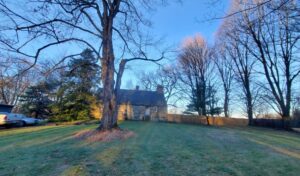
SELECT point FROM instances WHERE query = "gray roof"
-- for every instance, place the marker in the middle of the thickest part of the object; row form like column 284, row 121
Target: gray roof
column 141, row 98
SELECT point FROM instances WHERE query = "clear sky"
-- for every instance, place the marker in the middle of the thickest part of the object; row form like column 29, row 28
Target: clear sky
column 177, row 21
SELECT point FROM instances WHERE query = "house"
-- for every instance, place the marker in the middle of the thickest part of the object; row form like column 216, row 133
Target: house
column 141, row 104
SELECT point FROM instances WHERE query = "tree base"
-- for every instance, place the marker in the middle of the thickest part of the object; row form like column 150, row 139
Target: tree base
column 102, row 128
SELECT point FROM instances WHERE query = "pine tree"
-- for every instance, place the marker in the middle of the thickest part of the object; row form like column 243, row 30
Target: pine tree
column 76, row 94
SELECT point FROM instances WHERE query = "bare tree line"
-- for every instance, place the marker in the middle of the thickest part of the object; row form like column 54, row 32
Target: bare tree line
column 12, row 83
column 273, row 42
column 256, row 52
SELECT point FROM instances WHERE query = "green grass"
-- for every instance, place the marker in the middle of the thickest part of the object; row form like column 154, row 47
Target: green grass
column 157, row 149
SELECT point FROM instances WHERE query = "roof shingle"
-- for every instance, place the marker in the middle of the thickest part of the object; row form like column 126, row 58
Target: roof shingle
column 141, row 98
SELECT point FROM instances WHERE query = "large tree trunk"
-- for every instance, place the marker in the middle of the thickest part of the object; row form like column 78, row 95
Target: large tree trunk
column 250, row 111
column 226, row 103
column 207, row 120
column 286, row 109
column 200, row 113
column 286, row 115
column 286, row 118
column 203, row 95
column 249, row 101
column 108, row 68
column 108, row 97
column 117, row 89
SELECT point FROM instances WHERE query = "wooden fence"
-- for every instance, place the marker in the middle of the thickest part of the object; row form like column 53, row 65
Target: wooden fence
column 195, row 119
column 222, row 121
column 277, row 123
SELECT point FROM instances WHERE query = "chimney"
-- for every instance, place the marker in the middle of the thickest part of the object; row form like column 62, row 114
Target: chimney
column 137, row 87
column 160, row 89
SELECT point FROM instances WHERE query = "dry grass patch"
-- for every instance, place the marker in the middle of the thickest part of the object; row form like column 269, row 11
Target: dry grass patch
column 104, row 136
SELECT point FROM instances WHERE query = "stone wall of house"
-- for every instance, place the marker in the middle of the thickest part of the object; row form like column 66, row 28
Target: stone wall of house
column 162, row 112
column 154, row 113
column 141, row 112
column 124, row 110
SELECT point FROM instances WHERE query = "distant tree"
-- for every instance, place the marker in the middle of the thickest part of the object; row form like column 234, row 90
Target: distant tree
column 224, row 65
column 243, row 64
column 275, row 40
column 148, row 81
column 166, row 77
column 263, row 39
column 13, row 82
column 212, row 101
column 196, row 71
column 35, row 101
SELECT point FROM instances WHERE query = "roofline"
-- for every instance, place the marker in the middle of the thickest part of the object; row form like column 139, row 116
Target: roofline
column 140, row 90
column 133, row 104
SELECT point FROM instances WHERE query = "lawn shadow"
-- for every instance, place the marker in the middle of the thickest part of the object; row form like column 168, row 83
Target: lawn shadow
column 288, row 152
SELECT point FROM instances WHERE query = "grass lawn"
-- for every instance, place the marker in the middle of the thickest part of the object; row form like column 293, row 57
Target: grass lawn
column 157, row 149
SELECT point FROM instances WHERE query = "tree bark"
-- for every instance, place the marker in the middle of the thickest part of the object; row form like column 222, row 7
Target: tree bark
column 117, row 89
column 226, row 102
column 207, row 121
column 286, row 119
column 108, row 68
column 249, row 100
column 250, row 111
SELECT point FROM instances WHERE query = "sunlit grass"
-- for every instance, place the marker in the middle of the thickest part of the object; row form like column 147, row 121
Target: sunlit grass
column 156, row 149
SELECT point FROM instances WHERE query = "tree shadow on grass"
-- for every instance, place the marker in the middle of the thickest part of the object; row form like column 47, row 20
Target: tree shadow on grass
column 284, row 151
column 37, row 138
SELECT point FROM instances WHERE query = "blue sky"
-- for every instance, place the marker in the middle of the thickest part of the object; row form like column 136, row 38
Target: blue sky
column 173, row 22
column 177, row 21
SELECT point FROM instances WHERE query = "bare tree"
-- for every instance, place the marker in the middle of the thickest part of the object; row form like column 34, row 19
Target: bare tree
column 13, row 83
column 252, row 5
column 243, row 65
column 244, row 70
column 224, row 66
column 88, row 23
column 148, row 81
column 166, row 77
column 196, row 67
column 276, row 48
